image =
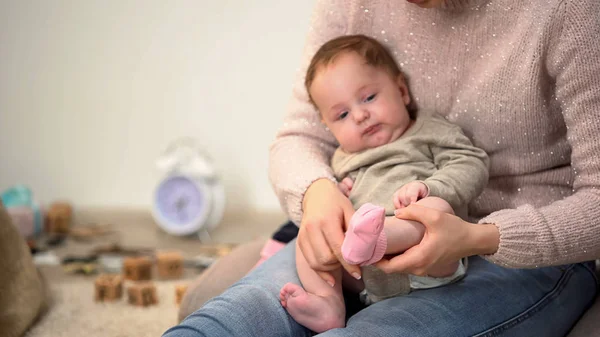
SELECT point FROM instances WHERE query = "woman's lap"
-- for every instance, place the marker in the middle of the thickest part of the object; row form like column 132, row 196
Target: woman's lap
column 489, row 301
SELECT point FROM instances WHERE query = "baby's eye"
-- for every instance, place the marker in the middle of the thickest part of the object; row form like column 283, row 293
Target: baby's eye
column 343, row 115
column 370, row 98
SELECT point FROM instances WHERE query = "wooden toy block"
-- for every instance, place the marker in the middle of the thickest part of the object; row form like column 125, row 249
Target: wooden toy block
column 59, row 217
column 179, row 292
column 137, row 268
column 142, row 294
column 169, row 264
column 108, row 287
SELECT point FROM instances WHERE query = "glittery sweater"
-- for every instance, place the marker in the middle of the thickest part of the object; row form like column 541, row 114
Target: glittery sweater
column 521, row 78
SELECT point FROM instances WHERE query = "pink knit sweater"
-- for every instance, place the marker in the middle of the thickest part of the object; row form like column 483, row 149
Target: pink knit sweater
column 522, row 78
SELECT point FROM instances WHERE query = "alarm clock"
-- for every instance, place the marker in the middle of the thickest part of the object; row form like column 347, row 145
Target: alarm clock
column 190, row 197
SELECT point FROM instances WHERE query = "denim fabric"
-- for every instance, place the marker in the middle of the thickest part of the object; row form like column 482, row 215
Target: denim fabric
column 488, row 301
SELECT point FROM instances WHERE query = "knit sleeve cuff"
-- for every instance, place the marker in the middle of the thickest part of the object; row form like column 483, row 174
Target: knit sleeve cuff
column 518, row 236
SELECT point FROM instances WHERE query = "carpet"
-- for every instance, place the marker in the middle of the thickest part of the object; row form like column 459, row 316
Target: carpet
column 75, row 313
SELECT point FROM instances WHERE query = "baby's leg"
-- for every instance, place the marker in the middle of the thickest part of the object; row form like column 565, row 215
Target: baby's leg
column 371, row 235
column 319, row 307
column 403, row 234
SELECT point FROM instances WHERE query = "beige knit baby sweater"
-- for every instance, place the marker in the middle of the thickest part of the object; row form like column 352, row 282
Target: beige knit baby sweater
column 432, row 150
column 521, row 78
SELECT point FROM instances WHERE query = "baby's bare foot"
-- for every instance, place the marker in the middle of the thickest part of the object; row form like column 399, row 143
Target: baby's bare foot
column 317, row 313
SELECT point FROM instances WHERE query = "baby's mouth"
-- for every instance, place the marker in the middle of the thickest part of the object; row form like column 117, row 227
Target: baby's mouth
column 371, row 129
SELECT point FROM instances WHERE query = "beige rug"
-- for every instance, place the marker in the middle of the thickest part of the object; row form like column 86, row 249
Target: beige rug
column 74, row 312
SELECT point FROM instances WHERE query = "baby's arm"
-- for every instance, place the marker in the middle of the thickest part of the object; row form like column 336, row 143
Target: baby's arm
column 462, row 168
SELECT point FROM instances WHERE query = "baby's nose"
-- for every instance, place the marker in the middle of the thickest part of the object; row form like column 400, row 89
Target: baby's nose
column 361, row 115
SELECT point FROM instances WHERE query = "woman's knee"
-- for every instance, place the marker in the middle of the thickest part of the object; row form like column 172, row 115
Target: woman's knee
column 218, row 277
column 248, row 308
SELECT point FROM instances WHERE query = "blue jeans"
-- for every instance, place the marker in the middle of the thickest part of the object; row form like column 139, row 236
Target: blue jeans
column 489, row 301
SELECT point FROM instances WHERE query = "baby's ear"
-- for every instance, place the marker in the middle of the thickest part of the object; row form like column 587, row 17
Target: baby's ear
column 403, row 87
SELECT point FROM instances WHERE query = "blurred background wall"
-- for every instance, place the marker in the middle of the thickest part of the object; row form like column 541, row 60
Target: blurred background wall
column 92, row 91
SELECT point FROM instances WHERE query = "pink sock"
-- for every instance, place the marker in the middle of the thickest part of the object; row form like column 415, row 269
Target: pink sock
column 365, row 241
column 269, row 249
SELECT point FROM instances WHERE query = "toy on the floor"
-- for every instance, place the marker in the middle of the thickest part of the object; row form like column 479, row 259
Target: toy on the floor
column 180, row 290
column 26, row 213
column 142, row 294
column 86, row 265
column 137, row 268
column 169, row 264
column 109, row 287
column 58, row 218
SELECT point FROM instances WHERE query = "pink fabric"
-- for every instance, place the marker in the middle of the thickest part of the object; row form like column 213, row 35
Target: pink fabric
column 24, row 219
column 365, row 240
column 269, row 249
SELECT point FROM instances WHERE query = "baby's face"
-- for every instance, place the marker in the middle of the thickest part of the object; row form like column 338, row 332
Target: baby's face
column 363, row 106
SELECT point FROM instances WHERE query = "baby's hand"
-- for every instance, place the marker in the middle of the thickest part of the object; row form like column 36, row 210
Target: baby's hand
column 346, row 186
column 410, row 193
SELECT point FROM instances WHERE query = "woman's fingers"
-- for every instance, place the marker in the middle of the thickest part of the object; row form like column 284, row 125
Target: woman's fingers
column 327, row 277
column 335, row 238
column 412, row 261
column 353, row 270
column 320, row 255
column 426, row 216
column 326, row 214
column 308, row 252
column 447, row 238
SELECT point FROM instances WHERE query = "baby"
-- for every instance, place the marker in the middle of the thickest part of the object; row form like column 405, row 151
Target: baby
column 388, row 157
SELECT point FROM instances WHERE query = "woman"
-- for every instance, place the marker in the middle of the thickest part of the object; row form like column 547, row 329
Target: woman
column 519, row 78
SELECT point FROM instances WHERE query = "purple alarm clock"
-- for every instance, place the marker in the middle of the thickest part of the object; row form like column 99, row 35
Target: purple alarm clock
column 190, row 197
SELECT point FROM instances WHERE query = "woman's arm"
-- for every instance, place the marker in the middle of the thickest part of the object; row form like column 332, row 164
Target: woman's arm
column 299, row 166
column 303, row 147
column 565, row 231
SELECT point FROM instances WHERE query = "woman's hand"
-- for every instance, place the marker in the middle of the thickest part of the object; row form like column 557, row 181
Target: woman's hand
column 326, row 213
column 447, row 239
